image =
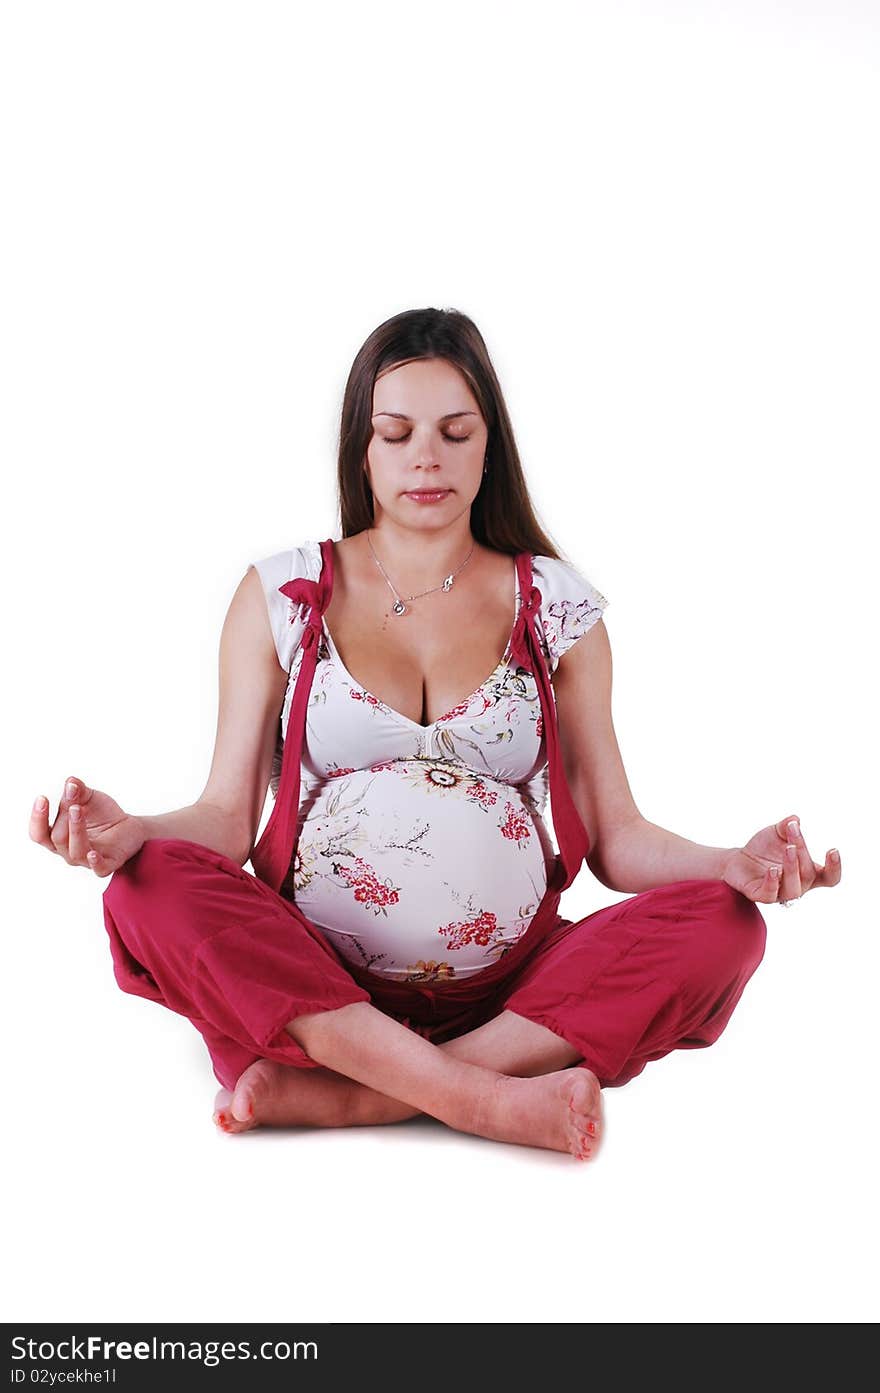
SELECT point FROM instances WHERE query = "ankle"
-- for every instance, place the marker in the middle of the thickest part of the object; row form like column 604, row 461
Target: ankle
column 482, row 1103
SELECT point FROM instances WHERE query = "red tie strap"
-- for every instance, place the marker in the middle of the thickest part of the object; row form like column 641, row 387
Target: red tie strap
column 527, row 650
column 271, row 856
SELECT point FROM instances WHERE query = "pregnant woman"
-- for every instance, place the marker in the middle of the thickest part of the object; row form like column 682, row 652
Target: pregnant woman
column 399, row 947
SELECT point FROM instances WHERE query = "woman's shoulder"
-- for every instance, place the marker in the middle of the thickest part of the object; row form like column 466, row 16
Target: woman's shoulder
column 286, row 618
column 570, row 603
column 295, row 561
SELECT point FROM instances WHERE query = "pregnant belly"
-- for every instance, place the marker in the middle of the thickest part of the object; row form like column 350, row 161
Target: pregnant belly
column 419, row 869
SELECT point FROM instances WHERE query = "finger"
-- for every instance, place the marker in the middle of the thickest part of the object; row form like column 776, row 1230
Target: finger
column 829, row 874
column 790, row 887
column 60, row 829
column 74, row 791
column 38, row 826
column 100, row 864
column 78, row 838
column 770, row 887
column 782, row 828
column 806, row 865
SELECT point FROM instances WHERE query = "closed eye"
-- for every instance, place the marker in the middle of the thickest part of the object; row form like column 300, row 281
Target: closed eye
column 399, row 439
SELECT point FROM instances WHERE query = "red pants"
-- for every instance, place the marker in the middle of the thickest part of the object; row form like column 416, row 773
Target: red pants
column 192, row 930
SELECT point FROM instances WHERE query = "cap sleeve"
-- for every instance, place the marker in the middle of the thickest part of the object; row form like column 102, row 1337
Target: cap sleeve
column 570, row 605
column 286, row 617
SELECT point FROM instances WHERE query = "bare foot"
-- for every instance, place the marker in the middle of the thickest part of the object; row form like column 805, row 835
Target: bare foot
column 561, row 1111
column 280, row 1095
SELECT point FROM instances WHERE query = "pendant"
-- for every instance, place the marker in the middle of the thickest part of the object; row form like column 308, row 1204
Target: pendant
column 399, row 607
column 447, row 584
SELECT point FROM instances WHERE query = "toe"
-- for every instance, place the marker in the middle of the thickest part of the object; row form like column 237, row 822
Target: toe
column 222, row 1100
column 224, row 1118
column 253, row 1092
column 585, row 1113
column 222, row 1115
column 242, row 1105
column 583, row 1144
column 585, row 1096
column 227, row 1123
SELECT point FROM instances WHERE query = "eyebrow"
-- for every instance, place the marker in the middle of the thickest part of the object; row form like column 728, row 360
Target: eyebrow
column 399, row 415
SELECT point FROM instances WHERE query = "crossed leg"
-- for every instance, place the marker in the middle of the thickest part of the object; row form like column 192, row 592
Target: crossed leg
column 665, row 969
column 491, row 1081
column 281, row 1095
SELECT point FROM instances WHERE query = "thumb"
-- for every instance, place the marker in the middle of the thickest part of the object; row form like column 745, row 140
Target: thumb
column 75, row 791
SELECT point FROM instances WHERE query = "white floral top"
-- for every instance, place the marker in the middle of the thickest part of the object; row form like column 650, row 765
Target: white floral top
column 422, row 850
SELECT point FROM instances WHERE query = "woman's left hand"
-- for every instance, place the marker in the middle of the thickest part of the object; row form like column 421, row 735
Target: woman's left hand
column 749, row 869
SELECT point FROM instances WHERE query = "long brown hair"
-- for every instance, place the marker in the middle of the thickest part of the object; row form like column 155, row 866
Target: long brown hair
column 502, row 514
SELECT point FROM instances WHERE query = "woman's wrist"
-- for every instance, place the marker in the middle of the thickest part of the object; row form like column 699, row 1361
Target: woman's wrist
column 641, row 856
column 204, row 823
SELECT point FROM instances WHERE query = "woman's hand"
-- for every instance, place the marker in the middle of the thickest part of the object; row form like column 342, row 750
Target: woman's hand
column 750, row 869
column 90, row 829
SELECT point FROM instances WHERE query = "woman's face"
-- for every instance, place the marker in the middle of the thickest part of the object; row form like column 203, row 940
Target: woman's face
column 428, row 433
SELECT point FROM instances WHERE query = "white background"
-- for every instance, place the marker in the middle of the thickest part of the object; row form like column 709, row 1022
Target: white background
column 664, row 220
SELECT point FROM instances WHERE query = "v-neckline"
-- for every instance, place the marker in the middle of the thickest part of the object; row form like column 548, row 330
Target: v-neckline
column 465, row 701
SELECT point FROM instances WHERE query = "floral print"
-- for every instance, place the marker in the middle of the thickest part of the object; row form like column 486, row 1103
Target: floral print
column 429, row 972
column 565, row 621
column 516, row 825
column 481, row 930
column 422, row 851
column 368, row 889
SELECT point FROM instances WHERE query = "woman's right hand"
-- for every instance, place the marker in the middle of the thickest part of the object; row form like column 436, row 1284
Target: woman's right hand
column 101, row 837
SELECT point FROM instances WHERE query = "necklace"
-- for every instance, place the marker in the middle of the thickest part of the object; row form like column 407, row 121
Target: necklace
column 399, row 607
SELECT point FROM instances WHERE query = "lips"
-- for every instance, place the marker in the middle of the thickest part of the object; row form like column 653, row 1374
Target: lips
column 426, row 493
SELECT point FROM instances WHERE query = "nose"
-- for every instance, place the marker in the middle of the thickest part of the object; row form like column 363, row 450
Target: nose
column 425, row 456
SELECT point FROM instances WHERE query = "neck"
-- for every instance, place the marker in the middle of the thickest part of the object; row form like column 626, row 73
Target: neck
column 414, row 558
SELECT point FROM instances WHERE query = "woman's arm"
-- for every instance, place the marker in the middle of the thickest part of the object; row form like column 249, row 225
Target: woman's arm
column 226, row 815
column 627, row 853
column 643, row 855
column 199, row 822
